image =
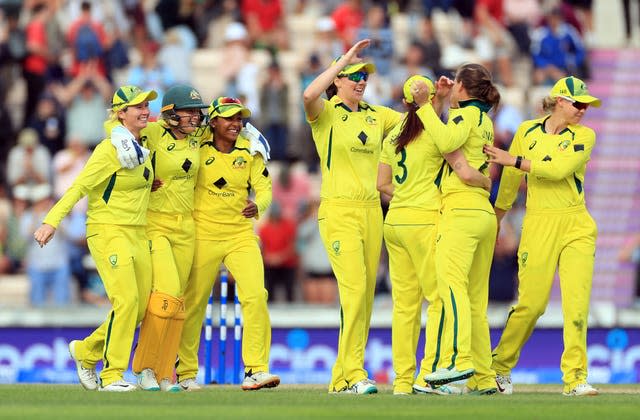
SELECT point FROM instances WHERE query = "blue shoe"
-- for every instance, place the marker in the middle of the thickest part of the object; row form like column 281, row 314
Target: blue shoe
column 444, row 376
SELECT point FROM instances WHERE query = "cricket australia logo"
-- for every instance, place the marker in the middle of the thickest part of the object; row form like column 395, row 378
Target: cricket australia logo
column 336, row 247
column 523, row 259
column 370, row 120
column 193, row 144
column 239, row 163
column 113, row 259
column 562, row 146
column 165, row 304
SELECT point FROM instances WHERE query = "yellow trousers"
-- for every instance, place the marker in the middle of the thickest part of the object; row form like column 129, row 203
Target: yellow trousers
column 564, row 239
column 352, row 234
column 123, row 260
column 464, row 250
column 243, row 259
column 410, row 238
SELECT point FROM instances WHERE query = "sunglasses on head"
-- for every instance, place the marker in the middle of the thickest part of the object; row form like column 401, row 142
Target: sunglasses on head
column 357, row 76
column 577, row 105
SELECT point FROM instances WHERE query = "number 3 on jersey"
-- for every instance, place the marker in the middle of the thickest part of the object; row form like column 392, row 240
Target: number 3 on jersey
column 401, row 165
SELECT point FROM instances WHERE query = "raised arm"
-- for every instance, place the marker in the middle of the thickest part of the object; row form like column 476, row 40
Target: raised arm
column 312, row 96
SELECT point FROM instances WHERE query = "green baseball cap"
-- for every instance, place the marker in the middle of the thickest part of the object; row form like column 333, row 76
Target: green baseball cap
column 574, row 89
column 130, row 95
column 181, row 97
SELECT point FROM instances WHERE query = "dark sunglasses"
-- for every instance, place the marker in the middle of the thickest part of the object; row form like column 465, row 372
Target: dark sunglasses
column 577, row 105
column 357, row 76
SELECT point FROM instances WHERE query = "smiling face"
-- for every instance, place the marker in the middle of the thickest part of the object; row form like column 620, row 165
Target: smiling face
column 227, row 129
column 190, row 119
column 351, row 87
column 135, row 117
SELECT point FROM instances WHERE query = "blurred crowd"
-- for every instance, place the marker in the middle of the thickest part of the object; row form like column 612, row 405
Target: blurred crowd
column 60, row 61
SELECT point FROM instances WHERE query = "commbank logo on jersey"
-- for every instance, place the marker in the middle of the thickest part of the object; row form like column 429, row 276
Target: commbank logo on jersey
column 336, row 247
column 363, row 137
column 210, row 160
column 186, row 165
column 171, row 146
column 239, row 163
column 113, row 259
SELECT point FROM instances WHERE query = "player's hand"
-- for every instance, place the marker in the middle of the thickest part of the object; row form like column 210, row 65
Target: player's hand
column 443, row 87
column 130, row 153
column 420, row 92
column 499, row 156
column 43, row 234
column 257, row 142
column 353, row 55
column 250, row 210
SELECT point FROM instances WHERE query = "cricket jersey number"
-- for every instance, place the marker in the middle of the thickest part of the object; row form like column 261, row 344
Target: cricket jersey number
column 401, row 165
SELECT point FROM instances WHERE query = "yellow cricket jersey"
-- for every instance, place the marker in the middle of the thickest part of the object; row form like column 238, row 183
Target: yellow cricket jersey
column 222, row 190
column 558, row 163
column 116, row 196
column 349, row 144
column 414, row 173
column 175, row 163
column 470, row 128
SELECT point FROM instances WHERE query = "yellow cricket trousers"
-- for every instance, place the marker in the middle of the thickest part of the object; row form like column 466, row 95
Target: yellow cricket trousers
column 352, row 234
column 172, row 245
column 464, row 250
column 123, row 260
column 243, row 259
column 563, row 239
column 410, row 238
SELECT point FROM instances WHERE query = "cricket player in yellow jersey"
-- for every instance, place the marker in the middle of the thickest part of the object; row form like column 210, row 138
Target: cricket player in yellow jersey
column 223, row 214
column 466, row 232
column 116, row 220
column 557, row 231
column 175, row 156
column 348, row 135
column 409, row 170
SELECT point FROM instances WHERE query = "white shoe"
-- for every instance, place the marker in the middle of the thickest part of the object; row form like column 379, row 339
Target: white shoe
column 119, row 386
column 259, row 380
column 88, row 377
column 437, row 390
column 444, row 376
column 167, row 386
column 189, row 385
column 345, row 390
column 147, row 380
column 503, row 382
column 365, row 386
column 580, row 390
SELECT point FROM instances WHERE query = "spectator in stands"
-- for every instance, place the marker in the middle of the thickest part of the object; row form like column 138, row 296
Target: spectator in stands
column 412, row 63
column 86, row 97
column 49, row 122
column 176, row 54
column 279, row 253
column 88, row 42
column 151, row 74
column 48, row 269
column 630, row 252
column 376, row 28
column 430, row 45
column 557, row 50
column 520, row 17
column 274, row 104
column 28, row 167
column 319, row 283
column 326, row 45
column 348, row 18
column 291, row 188
column 493, row 43
column 628, row 23
column 16, row 243
column 265, row 20
column 558, row 233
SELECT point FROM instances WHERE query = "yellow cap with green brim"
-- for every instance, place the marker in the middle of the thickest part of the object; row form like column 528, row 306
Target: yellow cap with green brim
column 574, row 89
column 131, row 95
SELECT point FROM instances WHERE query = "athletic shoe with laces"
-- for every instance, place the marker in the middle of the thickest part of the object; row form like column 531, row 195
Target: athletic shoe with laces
column 147, row 380
column 483, row 391
column 437, row 390
column 167, row 386
column 88, row 377
column 190, row 385
column 363, row 387
column 254, row 381
column 580, row 390
column 119, row 386
column 503, row 382
column 444, row 376
column 344, row 390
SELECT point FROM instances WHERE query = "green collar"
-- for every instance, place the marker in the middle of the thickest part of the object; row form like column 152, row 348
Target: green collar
column 483, row 106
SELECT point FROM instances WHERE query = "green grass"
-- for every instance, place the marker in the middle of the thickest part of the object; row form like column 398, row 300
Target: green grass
column 312, row 401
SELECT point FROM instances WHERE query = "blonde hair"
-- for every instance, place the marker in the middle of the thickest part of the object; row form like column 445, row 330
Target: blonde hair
column 112, row 121
column 548, row 104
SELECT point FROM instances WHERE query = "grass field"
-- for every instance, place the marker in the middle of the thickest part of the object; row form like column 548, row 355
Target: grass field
column 312, row 401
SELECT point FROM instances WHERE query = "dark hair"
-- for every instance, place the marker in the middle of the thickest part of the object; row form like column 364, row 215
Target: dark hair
column 412, row 126
column 331, row 90
column 477, row 81
column 85, row 6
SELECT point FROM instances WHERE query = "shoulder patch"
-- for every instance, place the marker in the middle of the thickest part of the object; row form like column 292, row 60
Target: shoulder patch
column 578, row 147
column 458, row 119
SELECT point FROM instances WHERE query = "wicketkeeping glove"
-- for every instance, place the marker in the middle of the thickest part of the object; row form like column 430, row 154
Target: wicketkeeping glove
column 130, row 153
column 258, row 143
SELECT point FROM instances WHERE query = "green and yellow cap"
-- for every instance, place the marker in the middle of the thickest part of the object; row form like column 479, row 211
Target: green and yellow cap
column 225, row 107
column 131, row 95
column 353, row 68
column 406, row 89
column 574, row 89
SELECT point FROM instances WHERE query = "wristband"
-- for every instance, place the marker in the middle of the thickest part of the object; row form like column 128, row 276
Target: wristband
column 518, row 162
